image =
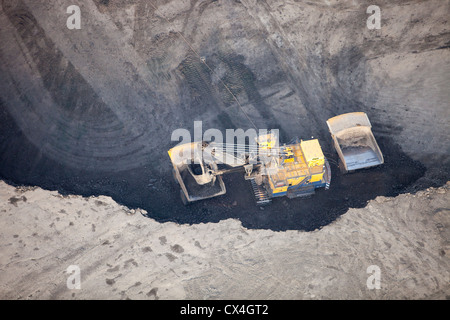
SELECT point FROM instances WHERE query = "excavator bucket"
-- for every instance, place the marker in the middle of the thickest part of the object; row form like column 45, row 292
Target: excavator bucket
column 194, row 175
column 354, row 141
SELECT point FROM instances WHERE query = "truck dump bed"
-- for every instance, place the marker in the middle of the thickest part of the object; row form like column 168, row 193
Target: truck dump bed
column 189, row 172
column 354, row 141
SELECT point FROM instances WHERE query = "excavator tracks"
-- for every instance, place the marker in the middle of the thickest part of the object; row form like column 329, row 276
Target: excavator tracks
column 261, row 196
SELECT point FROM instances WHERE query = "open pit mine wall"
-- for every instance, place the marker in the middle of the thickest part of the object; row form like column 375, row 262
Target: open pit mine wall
column 137, row 70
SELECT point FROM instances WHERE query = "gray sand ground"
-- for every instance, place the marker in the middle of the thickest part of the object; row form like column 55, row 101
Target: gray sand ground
column 122, row 254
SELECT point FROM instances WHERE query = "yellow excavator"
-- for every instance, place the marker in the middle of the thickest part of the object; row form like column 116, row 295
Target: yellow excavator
column 293, row 170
